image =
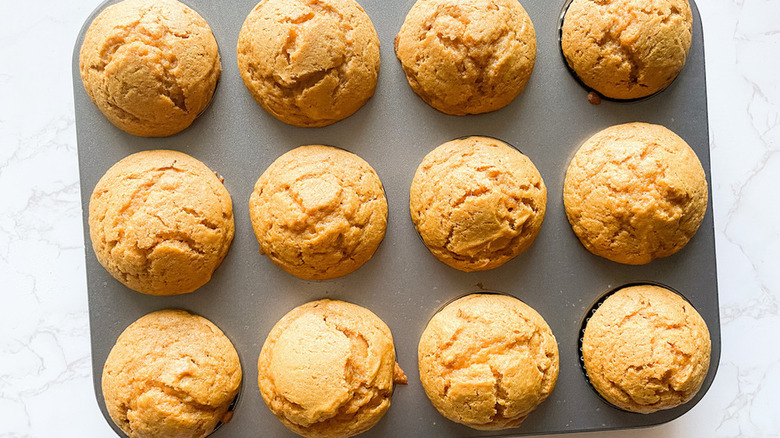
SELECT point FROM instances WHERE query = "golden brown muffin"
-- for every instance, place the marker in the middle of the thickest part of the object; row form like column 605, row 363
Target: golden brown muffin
column 171, row 374
column 327, row 369
column 160, row 222
column 319, row 212
column 467, row 57
column 626, row 49
column 477, row 203
column 487, row 361
column 646, row 349
column 309, row 62
column 150, row 66
column 635, row 192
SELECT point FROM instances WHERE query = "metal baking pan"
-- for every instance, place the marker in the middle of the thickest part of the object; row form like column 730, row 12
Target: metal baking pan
column 403, row 283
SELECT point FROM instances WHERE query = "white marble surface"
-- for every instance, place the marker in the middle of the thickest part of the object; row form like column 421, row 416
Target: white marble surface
column 45, row 374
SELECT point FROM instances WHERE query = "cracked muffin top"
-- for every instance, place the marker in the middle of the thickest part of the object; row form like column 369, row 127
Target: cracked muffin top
column 487, row 361
column 634, row 193
column 309, row 62
column 467, row 57
column 327, row 369
column 150, row 66
column 627, row 49
column 171, row 373
column 160, row 222
column 477, row 203
column 646, row 349
column 319, row 212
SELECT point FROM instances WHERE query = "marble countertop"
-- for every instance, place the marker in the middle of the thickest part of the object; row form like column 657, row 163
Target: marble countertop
column 45, row 366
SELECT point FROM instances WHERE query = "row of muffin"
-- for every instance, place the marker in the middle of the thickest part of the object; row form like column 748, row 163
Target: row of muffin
column 151, row 66
column 327, row 368
column 161, row 221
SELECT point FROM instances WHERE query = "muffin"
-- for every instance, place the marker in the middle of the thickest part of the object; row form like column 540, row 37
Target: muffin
column 646, row 349
column 150, row 66
column 467, row 57
column 170, row 374
column 160, row 222
column 635, row 192
column 627, row 49
column 477, row 203
column 319, row 212
column 309, row 63
column 327, row 369
column 487, row 361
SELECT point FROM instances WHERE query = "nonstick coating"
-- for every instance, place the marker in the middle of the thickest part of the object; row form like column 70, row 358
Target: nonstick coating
column 403, row 283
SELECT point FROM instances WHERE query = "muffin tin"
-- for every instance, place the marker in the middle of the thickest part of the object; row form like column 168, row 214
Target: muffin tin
column 403, row 283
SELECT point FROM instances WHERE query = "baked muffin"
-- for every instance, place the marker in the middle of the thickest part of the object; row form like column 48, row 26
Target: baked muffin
column 635, row 192
column 319, row 212
column 467, row 57
column 646, row 349
column 150, row 66
column 160, row 222
column 477, row 203
column 327, row 369
column 309, row 62
column 170, row 374
column 487, row 361
column 627, row 49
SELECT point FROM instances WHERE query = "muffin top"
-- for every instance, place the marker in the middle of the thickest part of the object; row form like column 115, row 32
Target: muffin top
column 327, row 369
column 319, row 212
column 170, row 373
column 646, row 349
column 309, row 62
column 160, row 222
column 635, row 192
column 467, row 57
column 477, row 203
column 627, row 49
column 150, row 66
column 487, row 361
